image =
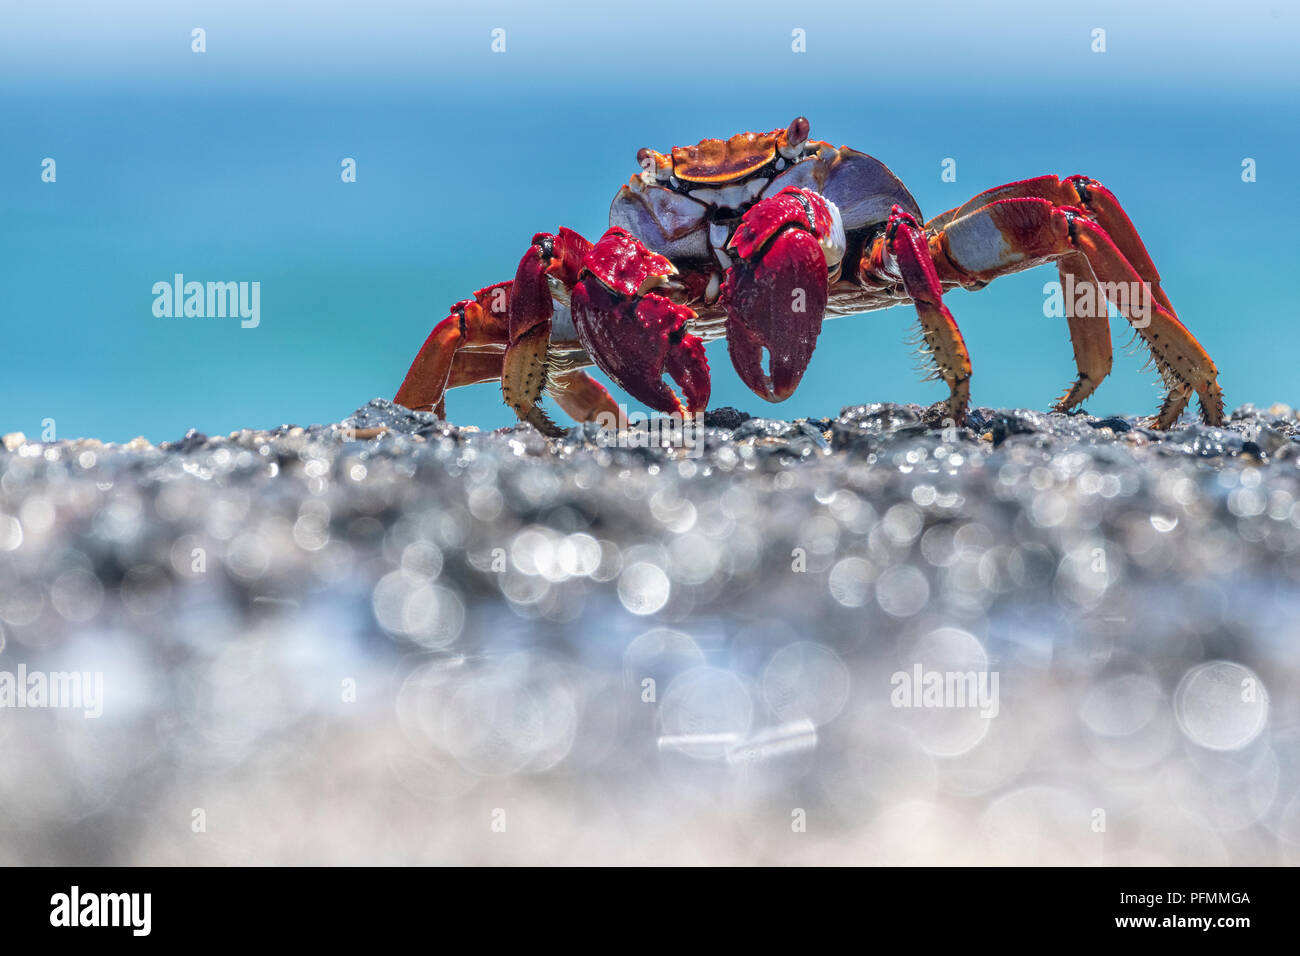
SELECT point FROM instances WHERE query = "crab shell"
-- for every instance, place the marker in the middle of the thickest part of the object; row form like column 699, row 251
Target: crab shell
column 685, row 205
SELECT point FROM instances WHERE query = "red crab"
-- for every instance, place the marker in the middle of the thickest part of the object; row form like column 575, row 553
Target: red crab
column 757, row 238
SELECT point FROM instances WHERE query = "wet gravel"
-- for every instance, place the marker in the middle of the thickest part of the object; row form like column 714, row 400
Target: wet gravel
column 395, row 640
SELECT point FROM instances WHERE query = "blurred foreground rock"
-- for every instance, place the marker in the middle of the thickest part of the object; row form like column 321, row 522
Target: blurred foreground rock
column 374, row 642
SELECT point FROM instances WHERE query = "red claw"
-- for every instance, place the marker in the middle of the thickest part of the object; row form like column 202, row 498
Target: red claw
column 636, row 336
column 688, row 366
column 777, row 293
column 620, row 261
column 792, row 206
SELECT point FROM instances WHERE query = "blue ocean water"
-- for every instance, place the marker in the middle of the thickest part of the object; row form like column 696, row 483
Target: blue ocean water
column 225, row 166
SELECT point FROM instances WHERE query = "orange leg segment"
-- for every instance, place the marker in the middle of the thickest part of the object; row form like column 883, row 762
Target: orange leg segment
column 459, row 350
column 1078, row 221
column 902, row 254
column 582, row 397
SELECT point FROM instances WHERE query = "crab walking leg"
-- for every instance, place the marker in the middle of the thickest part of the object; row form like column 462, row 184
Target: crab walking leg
column 474, row 324
column 1089, row 334
column 582, row 397
column 524, row 372
column 1009, row 235
column 426, row 380
column 1086, row 193
column 470, row 368
column 903, row 253
column 1182, row 361
column 1105, row 210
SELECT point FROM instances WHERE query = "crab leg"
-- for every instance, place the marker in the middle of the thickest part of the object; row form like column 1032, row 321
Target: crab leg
column 426, row 380
column 903, row 253
column 1008, row 235
column 444, row 361
column 1085, row 193
column 525, row 370
column 504, row 334
column 582, row 397
column 1104, row 209
column 470, row 368
column 1089, row 335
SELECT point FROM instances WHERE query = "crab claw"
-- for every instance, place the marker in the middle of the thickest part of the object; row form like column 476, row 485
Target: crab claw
column 776, row 293
column 633, row 334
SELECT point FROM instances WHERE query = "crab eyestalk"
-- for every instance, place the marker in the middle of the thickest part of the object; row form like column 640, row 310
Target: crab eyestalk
column 790, row 143
column 636, row 335
column 777, row 291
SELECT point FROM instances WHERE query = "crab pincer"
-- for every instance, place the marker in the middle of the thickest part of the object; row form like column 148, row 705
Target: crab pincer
column 776, row 293
column 634, row 334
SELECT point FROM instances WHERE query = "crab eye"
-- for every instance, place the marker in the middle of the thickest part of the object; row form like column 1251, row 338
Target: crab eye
column 796, row 137
column 654, row 166
column 798, row 131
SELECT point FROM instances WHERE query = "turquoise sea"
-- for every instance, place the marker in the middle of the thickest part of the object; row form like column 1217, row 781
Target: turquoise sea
column 225, row 166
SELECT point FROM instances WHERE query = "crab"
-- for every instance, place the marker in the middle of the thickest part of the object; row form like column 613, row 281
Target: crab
column 757, row 239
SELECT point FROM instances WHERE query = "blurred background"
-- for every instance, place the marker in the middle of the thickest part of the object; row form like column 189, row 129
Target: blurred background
column 225, row 166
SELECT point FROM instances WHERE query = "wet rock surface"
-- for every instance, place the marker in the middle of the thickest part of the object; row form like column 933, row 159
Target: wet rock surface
column 376, row 640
